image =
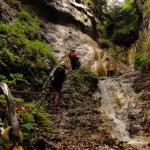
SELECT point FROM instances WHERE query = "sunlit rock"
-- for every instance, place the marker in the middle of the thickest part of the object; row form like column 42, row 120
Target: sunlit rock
column 76, row 10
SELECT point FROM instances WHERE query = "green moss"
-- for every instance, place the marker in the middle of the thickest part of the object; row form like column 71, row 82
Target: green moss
column 105, row 43
column 142, row 60
column 23, row 52
column 146, row 45
column 85, row 80
column 34, row 118
column 147, row 5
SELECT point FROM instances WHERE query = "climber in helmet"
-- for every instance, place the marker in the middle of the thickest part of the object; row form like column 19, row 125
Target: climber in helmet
column 58, row 77
column 74, row 59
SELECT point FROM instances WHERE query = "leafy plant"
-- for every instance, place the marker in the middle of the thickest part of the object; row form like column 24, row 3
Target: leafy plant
column 105, row 43
column 23, row 52
column 28, row 121
column 146, row 45
column 118, row 21
column 123, row 24
column 85, row 80
column 147, row 5
column 15, row 78
column 142, row 61
column 99, row 7
column 31, row 120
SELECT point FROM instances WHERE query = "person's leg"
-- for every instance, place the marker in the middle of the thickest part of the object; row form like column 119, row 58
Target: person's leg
column 73, row 63
column 57, row 98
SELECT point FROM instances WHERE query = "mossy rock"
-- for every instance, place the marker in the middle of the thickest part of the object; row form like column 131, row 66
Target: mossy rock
column 25, row 59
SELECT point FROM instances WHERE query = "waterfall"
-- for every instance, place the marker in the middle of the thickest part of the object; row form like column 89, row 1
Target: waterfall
column 115, row 97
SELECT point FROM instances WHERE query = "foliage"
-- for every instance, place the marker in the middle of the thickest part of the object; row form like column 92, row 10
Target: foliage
column 122, row 24
column 23, row 53
column 34, row 121
column 34, row 118
column 113, row 51
column 105, row 43
column 146, row 45
column 142, row 58
column 28, row 121
column 137, row 60
column 120, row 21
column 147, row 5
column 29, row 25
column 99, row 8
column 85, row 80
column 13, row 79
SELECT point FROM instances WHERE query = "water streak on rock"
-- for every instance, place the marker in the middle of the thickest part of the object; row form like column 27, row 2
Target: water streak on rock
column 116, row 95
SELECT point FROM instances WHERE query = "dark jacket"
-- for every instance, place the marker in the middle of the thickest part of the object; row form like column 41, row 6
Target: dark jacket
column 58, row 78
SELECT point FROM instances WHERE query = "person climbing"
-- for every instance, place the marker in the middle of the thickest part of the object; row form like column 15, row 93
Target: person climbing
column 74, row 59
column 58, row 77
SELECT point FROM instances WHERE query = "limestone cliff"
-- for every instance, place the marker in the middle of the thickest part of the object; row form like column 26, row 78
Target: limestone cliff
column 67, row 24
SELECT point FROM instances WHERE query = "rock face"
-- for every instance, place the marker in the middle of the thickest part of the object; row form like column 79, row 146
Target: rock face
column 70, row 24
column 139, row 116
column 68, row 12
column 138, row 109
column 62, row 38
column 65, row 24
column 78, row 11
column 6, row 13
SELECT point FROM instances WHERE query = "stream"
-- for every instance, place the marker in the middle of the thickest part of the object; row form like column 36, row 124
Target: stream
column 116, row 94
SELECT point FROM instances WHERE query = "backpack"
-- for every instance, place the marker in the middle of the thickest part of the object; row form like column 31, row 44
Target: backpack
column 60, row 72
column 72, row 55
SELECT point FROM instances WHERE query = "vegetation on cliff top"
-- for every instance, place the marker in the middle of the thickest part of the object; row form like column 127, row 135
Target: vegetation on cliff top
column 119, row 21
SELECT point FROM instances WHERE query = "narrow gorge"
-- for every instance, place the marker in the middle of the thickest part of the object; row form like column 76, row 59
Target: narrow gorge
column 105, row 104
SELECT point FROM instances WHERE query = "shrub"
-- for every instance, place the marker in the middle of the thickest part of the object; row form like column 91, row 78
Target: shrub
column 85, row 80
column 146, row 45
column 118, row 21
column 29, row 24
column 137, row 61
column 142, row 61
column 105, row 43
column 33, row 119
column 13, row 79
column 23, row 52
column 147, row 5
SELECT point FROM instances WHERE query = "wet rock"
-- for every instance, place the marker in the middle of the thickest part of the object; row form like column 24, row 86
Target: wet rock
column 62, row 38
